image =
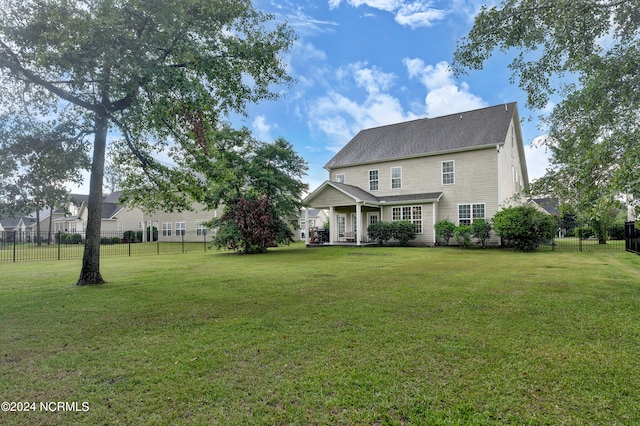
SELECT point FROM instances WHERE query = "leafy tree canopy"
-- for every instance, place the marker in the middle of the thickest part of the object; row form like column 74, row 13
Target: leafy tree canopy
column 148, row 67
column 587, row 52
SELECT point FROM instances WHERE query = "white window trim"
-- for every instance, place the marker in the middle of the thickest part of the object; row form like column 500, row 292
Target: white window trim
column 412, row 220
column 471, row 211
column 377, row 180
column 182, row 230
column 338, row 178
column 391, row 175
column 166, row 230
column 453, row 172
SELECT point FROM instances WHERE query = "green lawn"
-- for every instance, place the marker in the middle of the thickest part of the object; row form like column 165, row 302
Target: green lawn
column 326, row 336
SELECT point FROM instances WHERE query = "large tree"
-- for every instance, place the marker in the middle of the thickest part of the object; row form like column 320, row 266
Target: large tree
column 136, row 65
column 225, row 167
column 37, row 160
column 585, row 52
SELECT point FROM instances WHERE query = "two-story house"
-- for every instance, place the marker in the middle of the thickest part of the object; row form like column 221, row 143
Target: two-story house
column 462, row 167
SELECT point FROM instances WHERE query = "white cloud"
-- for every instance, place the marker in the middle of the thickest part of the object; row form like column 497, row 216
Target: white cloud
column 537, row 159
column 341, row 118
column 261, row 128
column 444, row 96
column 414, row 14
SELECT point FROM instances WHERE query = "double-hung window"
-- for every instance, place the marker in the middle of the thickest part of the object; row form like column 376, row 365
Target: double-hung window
column 166, row 229
column 396, row 177
column 200, row 229
column 181, row 228
column 373, row 180
column 468, row 213
column 448, row 173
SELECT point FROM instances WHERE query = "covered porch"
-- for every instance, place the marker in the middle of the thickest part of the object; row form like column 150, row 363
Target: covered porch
column 352, row 210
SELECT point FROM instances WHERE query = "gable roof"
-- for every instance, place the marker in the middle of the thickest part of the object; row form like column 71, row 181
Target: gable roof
column 427, row 136
column 359, row 195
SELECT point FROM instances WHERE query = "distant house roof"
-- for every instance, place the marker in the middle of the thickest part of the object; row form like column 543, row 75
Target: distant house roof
column 549, row 204
column 427, row 136
column 9, row 222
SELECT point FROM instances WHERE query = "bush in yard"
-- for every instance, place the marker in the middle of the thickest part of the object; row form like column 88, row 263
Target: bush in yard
column 463, row 234
column 71, row 239
column 403, row 231
column 481, row 231
column 445, row 230
column 584, row 232
column 380, row 231
column 130, row 236
column 616, row 231
column 106, row 240
column 115, row 240
column 524, row 227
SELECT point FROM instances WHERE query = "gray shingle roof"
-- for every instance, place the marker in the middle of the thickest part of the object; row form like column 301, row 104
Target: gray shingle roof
column 365, row 196
column 460, row 131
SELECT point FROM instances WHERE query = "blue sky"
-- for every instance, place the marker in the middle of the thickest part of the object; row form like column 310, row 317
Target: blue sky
column 365, row 63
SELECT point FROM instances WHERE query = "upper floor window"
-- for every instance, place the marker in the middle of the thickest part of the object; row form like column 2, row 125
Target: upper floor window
column 373, row 180
column 340, row 178
column 396, row 177
column 468, row 213
column 448, row 173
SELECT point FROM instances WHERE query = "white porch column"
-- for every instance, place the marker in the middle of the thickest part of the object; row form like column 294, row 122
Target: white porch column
column 358, row 224
column 332, row 225
column 306, row 226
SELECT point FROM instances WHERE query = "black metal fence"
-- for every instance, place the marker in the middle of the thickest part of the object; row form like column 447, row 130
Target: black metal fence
column 632, row 238
column 581, row 237
column 22, row 246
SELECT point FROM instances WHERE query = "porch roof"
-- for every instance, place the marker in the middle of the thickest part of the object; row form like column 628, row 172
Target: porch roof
column 360, row 196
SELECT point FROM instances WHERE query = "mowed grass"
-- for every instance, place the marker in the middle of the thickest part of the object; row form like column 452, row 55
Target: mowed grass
column 326, row 336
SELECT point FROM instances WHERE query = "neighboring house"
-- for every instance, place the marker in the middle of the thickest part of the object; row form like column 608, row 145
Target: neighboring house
column 117, row 219
column 316, row 218
column 462, row 167
column 550, row 205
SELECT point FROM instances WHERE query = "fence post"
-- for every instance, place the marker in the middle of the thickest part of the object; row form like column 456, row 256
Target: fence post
column 14, row 245
column 580, row 243
column 182, row 237
column 204, row 239
column 158, row 245
column 129, row 244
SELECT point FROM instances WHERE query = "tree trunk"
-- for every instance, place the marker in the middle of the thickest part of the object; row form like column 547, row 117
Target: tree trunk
column 90, row 272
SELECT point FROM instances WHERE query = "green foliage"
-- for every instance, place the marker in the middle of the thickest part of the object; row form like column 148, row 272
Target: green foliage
column 161, row 72
column 481, row 231
column 445, row 230
column 524, row 227
column 250, row 226
column 403, row 231
column 463, row 234
column 115, row 240
column 70, row 239
column 616, row 231
column 584, row 232
column 106, row 241
column 593, row 131
column 130, row 236
column 381, row 231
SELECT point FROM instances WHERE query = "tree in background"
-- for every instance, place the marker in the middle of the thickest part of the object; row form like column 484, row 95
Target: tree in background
column 229, row 168
column 37, row 159
column 587, row 52
column 147, row 67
